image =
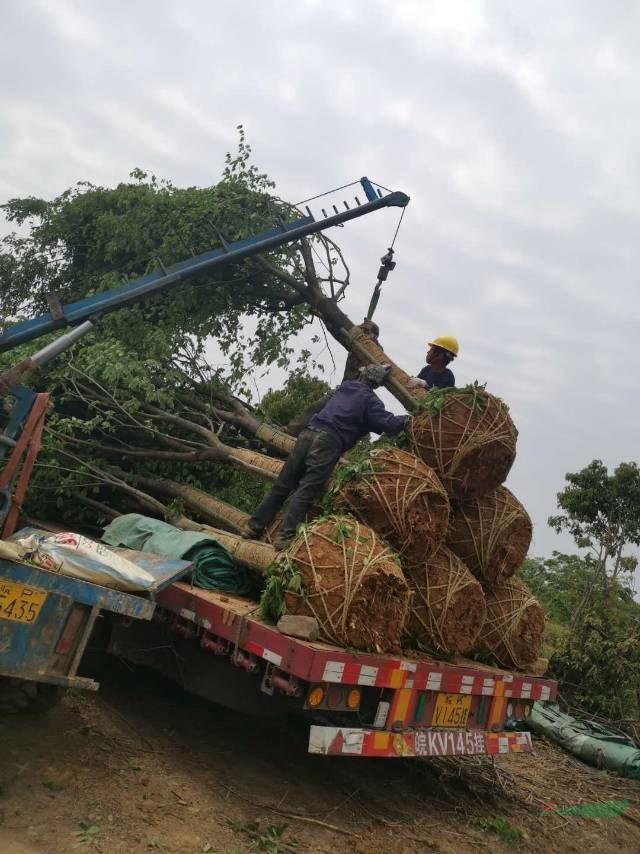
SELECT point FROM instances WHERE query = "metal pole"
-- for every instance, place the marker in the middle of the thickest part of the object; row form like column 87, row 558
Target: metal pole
column 64, row 342
column 32, row 364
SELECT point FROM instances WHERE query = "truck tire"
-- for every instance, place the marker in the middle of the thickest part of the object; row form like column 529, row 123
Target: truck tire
column 19, row 695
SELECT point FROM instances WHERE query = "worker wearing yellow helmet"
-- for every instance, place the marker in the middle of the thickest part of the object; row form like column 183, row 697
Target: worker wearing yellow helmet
column 435, row 373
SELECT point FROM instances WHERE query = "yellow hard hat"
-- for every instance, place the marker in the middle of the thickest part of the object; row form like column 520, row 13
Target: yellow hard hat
column 447, row 342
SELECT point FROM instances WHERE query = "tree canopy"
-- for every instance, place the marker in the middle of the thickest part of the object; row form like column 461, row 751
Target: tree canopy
column 137, row 398
column 91, row 238
column 602, row 513
column 593, row 630
column 300, row 391
column 596, row 657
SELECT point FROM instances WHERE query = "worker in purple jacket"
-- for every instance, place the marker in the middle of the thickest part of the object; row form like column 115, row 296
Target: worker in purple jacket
column 350, row 413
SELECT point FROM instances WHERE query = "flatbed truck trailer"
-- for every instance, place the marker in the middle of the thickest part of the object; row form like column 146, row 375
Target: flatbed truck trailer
column 359, row 704
column 46, row 618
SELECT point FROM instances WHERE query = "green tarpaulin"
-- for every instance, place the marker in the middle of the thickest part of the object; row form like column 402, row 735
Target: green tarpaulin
column 213, row 567
column 595, row 744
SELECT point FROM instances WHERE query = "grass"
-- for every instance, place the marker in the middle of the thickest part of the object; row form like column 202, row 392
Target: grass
column 503, row 829
column 269, row 839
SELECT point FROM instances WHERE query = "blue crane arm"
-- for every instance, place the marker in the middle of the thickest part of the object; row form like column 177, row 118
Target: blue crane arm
column 104, row 302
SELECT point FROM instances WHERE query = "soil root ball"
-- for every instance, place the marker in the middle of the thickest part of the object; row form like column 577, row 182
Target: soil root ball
column 514, row 628
column 398, row 496
column 447, row 609
column 491, row 534
column 468, row 437
column 338, row 571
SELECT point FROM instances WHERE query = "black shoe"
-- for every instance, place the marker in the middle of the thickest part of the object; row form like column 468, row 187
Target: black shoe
column 282, row 542
column 251, row 533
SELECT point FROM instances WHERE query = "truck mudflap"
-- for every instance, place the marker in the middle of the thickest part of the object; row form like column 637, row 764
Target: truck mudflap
column 346, row 741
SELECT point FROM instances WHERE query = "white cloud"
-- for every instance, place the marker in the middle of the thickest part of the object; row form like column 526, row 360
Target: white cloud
column 462, row 22
column 506, row 292
column 70, row 21
column 483, row 177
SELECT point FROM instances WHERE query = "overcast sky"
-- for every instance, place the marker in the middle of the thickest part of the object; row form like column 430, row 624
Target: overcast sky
column 514, row 127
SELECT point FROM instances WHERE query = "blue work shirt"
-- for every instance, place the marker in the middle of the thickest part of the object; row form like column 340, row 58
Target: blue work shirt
column 437, row 379
column 352, row 411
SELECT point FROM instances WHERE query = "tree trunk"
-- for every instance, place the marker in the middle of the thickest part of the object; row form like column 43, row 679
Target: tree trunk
column 342, row 328
column 199, row 502
column 260, row 464
column 356, row 340
column 274, row 438
column 252, row 553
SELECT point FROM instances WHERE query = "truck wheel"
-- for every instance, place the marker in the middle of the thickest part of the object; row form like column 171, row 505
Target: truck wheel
column 18, row 695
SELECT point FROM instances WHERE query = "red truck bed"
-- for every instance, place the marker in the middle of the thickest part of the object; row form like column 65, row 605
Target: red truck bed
column 425, row 707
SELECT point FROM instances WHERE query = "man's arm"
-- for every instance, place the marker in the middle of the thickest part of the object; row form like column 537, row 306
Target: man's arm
column 379, row 420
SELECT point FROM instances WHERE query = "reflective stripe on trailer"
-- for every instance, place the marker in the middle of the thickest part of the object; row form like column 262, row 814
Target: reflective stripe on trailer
column 344, row 741
column 398, row 675
column 263, row 652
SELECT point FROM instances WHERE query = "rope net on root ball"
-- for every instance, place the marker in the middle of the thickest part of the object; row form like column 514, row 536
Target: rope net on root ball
column 339, row 571
column 398, row 496
column 513, row 631
column 491, row 534
column 447, row 608
column 467, row 436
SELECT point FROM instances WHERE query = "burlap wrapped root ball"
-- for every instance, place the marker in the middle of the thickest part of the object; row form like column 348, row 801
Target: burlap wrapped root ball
column 468, row 437
column 338, row 571
column 491, row 534
column 513, row 632
column 447, row 608
column 398, row 496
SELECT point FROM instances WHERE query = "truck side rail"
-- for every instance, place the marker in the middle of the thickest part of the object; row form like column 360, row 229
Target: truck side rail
column 236, row 621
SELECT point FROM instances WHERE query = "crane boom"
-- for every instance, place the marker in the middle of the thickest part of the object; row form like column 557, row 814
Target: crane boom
column 96, row 305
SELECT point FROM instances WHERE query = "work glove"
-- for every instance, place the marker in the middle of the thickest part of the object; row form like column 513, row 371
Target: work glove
column 416, row 382
column 375, row 374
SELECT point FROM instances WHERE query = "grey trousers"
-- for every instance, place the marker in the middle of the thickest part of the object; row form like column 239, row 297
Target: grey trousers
column 305, row 473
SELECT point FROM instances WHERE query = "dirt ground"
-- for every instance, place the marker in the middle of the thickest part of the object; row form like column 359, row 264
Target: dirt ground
column 142, row 767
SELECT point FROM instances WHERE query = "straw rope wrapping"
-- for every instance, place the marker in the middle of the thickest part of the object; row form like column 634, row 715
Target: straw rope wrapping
column 491, row 535
column 448, row 606
column 401, row 498
column 368, row 352
column 275, row 437
column 470, row 441
column 352, row 584
column 258, row 556
column 514, row 628
column 261, row 462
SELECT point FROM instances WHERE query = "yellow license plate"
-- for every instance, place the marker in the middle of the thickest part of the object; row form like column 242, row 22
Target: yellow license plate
column 19, row 603
column 452, row 710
